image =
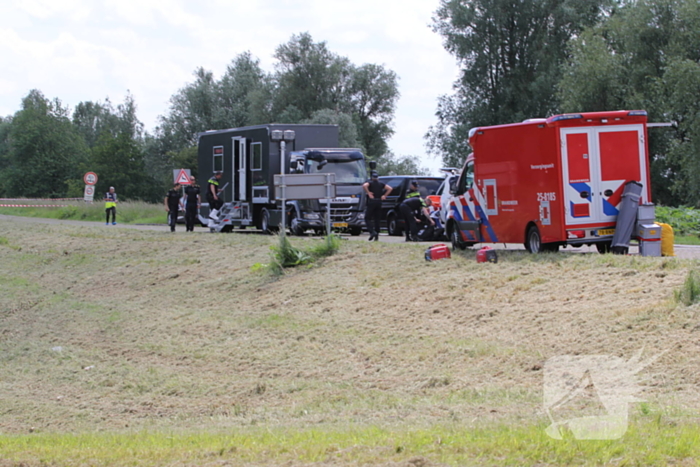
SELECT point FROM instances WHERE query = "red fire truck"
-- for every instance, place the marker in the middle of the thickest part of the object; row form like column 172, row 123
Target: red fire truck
column 550, row 182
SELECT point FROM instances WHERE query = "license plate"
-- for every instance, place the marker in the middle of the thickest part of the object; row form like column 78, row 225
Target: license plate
column 602, row 232
column 340, row 225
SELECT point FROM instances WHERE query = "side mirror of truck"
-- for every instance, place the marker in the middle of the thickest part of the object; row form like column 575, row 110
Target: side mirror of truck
column 453, row 186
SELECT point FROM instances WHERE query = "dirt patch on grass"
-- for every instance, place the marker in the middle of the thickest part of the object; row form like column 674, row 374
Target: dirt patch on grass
column 107, row 329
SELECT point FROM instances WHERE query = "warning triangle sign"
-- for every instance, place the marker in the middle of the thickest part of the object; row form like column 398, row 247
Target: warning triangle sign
column 182, row 178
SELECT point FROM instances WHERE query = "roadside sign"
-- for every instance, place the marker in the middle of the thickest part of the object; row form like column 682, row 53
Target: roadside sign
column 305, row 186
column 181, row 176
column 89, row 193
column 90, row 178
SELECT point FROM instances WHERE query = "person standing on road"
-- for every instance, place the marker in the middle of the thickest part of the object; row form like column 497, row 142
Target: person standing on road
column 111, row 205
column 213, row 191
column 410, row 206
column 192, row 204
column 172, row 205
column 376, row 193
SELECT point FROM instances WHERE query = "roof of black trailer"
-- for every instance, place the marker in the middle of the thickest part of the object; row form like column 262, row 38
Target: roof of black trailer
column 269, row 126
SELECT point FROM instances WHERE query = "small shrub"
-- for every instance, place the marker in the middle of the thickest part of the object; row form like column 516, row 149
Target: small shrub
column 328, row 248
column 690, row 291
column 286, row 255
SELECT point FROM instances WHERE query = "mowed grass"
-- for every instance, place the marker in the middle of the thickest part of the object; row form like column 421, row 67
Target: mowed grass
column 648, row 442
column 122, row 347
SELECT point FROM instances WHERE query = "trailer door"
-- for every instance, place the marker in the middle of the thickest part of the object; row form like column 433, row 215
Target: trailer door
column 239, row 145
column 596, row 164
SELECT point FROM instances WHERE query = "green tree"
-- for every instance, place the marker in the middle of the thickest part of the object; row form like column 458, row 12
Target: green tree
column 511, row 53
column 373, row 93
column 309, row 77
column 5, row 158
column 390, row 164
column 645, row 56
column 312, row 78
column 242, row 88
column 118, row 161
column 46, row 152
column 347, row 131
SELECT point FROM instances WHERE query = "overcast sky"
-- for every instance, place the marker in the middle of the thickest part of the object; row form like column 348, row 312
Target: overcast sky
column 88, row 50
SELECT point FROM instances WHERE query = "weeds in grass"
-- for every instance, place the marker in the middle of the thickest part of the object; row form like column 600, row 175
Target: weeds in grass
column 284, row 255
column 287, row 256
column 329, row 247
column 690, row 291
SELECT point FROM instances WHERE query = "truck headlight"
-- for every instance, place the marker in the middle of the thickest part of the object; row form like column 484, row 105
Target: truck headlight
column 313, row 216
column 361, row 216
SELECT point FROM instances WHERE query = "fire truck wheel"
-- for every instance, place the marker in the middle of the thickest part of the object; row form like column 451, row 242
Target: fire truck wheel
column 392, row 225
column 533, row 241
column 457, row 242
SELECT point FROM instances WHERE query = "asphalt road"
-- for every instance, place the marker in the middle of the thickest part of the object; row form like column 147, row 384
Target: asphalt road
column 682, row 251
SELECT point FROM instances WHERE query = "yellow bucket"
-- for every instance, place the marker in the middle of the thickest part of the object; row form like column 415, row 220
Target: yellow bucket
column 666, row 240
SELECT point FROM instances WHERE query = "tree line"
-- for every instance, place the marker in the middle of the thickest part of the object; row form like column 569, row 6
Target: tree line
column 519, row 59
column 45, row 147
column 533, row 58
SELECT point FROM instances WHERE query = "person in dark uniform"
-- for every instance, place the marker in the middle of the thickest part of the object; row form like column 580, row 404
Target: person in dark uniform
column 412, row 206
column 213, row 191
column 111, row 205
column 172, row 205
column 376, row 193
column 192, row 204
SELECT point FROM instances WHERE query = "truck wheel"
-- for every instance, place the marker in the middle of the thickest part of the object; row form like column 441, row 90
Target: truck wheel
column 265, row 221
column 294, row 226
column 392, row 225
column 533, row 241
column 355, row 231
column 456, row 238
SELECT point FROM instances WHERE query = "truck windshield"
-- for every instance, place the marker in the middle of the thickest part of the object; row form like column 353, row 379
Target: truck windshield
column 345, row 171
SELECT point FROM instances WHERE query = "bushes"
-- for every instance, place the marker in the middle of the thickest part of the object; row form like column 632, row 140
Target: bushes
column 684, row 220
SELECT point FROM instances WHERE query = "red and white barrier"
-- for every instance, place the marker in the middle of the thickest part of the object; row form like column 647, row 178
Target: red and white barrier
column 32, row 205
column 41, row 199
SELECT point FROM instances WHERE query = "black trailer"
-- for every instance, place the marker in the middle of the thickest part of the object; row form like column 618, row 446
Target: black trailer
column 250, row 157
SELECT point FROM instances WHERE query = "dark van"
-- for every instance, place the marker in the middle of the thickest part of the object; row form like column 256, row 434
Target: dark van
column 391, row 218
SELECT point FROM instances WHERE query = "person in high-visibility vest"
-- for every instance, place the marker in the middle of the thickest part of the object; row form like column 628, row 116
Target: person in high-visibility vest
column 213, row 199
column 411, row 206
column 111, row 205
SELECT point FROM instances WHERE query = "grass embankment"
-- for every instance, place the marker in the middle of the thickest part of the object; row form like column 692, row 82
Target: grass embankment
column 122, row 347
column 128, row 212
